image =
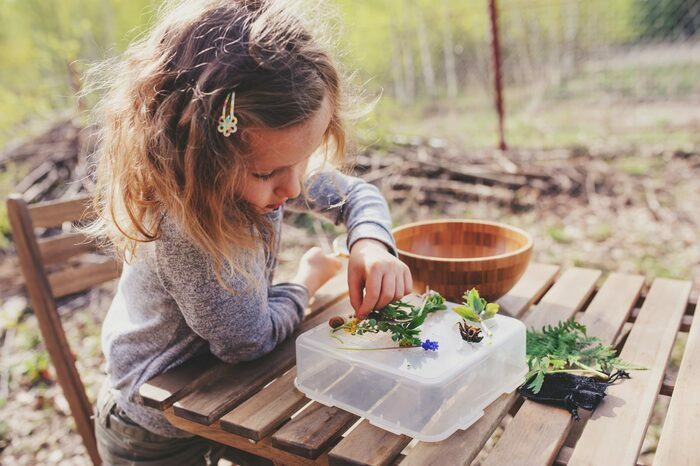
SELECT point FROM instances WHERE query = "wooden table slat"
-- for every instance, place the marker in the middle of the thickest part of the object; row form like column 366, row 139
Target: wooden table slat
column 262, row 448
column 607, row 325
column 612, row 306
column 364, row 446
column 558, row 299
column 163, row 390
column 314, row 430
column 616, row 430
column 367, row 445
column 464, row 445
column 568, row 294
column 263, row 412
column 236, row 383
column 535, row 282
column 677, row 444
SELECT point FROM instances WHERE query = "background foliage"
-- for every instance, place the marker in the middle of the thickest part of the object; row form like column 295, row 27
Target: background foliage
column 427, row 55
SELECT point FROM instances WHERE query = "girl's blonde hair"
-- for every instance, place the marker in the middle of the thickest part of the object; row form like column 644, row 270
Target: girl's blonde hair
column 160, row 150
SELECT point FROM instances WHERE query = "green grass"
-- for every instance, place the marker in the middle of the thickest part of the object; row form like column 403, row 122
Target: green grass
column 632, row 106
column 634, row 83
column 558, row 234
column 601, row 232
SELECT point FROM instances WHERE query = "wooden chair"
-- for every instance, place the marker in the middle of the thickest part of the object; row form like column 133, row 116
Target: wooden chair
column 54, row 267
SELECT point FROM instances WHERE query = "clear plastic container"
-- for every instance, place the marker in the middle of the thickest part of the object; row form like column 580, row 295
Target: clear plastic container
column 427, row 395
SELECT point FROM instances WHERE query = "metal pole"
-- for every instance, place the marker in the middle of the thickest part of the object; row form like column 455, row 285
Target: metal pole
column 497, row 76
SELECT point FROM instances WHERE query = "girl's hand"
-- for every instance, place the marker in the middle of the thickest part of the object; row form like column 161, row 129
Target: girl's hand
column 382, row 276
column 315, row 269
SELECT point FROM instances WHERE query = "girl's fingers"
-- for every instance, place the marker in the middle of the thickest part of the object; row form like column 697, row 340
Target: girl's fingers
column 380, row 289
column 388, row 290
column 407, row 281
column 399, row 290
column 373, row 288
column 355, row 285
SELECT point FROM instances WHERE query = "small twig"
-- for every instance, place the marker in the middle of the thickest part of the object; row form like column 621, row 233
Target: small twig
column 591, row 370
column 504, row 162
column 37, row 191
column 34, row 176
column 359, row 348
column 659, row 213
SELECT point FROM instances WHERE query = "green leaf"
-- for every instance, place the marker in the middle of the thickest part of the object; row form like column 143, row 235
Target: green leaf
column 618, row 364
column 491, row 310
column 474, row 301
column 558, row 363
column 417, row 322
column 536, row 383
column 572, row 359
column 466, row 313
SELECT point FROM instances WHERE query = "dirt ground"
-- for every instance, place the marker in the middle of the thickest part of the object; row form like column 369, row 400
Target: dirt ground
column 645, row 223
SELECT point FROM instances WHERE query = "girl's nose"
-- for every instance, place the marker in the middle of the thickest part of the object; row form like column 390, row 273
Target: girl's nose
column 290, row 185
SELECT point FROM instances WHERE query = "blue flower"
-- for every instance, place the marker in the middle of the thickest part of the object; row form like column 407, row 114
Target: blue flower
column 430, row 345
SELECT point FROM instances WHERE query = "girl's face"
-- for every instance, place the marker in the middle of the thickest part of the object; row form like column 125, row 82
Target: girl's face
column 279, row 159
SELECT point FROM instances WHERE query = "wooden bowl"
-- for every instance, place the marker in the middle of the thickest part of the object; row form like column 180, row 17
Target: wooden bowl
column 454, row 256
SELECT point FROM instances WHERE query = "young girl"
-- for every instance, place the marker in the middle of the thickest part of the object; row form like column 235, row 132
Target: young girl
column 208, row 127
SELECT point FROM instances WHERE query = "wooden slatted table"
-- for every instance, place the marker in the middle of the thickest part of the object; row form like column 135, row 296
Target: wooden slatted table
column 254, row 406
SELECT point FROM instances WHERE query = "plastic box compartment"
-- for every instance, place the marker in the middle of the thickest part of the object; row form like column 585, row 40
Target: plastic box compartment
column 427, row 395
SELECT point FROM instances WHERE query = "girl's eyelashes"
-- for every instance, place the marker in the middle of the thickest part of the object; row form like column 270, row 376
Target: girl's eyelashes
column 273, row 173
column 265, row 176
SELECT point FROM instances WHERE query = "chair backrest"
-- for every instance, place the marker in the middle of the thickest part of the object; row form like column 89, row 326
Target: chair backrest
column 52, row 268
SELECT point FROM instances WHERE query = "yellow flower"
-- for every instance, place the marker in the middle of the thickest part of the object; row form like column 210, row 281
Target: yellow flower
column 351, row 326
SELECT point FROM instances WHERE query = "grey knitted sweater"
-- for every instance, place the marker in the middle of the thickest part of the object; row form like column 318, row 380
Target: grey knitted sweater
column 169, row 306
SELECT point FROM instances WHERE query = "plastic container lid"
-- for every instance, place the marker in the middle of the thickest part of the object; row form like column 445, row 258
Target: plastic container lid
column 427, row 395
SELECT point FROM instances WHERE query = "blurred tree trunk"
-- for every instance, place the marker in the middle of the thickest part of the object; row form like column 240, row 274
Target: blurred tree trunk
column 526, row 56
column 409, row 76
column 448, row 50
column 555, row 54
column 424, row 47
column 571, row 33
column 396, row 64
